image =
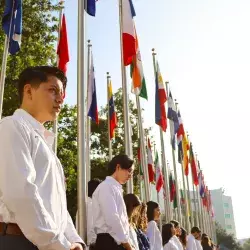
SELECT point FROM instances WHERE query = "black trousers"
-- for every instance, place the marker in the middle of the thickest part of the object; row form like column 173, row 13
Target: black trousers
column 107, row 242
column 13, row 242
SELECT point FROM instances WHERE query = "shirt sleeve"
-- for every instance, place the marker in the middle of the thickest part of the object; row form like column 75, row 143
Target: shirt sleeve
column 20, row 194
column 106, row 198
column 91, row 235
column 151, row 234
column 191, row 244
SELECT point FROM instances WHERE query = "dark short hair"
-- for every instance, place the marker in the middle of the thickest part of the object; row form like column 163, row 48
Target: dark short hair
column 131, row 201
column 151, row 206
column 166, row 233
column 195, row 230
column 123, row 160
column 175, row 223
column 92, row 185
column 38, row 74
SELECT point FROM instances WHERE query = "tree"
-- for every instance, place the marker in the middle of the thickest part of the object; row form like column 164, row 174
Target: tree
column 225, row 239
column 38, row 45
column 246, row 245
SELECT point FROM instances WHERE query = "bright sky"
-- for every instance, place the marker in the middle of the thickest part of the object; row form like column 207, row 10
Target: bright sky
column 204, row 52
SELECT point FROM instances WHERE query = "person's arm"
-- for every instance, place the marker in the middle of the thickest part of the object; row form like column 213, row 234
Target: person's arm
column 151, row 234
column 106, row 200
column 20, row 194
column 71, row 233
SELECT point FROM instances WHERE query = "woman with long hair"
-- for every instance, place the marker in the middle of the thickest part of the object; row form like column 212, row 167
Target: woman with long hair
column 132, row 201
column 206, row 243
column 139, row 219
column 168, row 231
column 183, row 238
column 153, row 232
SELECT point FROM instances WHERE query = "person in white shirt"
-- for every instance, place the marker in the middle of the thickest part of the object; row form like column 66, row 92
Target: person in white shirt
column 153, row 232
column 132, row 201
column 177, row 234
column 198, row 243
column 110, row 220
column 191, row 240
column 33, row 204
column 168, row 231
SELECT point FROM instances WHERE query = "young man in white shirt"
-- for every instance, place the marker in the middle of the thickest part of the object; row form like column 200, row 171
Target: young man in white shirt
column 191, row 240
column 110, row 218
column 33, row 204
column 175, row 238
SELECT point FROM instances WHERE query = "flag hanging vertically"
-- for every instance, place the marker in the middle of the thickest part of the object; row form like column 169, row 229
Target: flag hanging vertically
column 193, row 166
column 172, row 115
column 62, row 48
column 139, row 158
column 180, row 135
column 201, row 184
column 172, row 188
column 92, row 100
column 128, row 32
column 185, row 148
column 151, row 172
column 12, row 24
column 112, row 113
column 160, row 99
column 159, row 176
column 137, row 75
column 91, row 7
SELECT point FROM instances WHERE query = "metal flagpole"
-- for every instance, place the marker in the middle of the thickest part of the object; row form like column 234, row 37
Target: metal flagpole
column 163, row 157
column 88, row 120
column 199, row 207
column 55, row 123
column 109, row 138
column 143, row 151
column 82, row 182
column 174, row 164
column 4, row 64
column 127, row 132
column 190, row 204
column 195, row 205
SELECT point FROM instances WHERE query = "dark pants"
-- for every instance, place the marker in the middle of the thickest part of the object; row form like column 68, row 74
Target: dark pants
column 12, row 242
column 106, row 242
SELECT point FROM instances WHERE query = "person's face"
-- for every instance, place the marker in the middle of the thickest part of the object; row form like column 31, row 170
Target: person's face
column 46, row 100
column 178, row 230
column 123, row 175
column 173, row 231
column 157, row 214
column 197, row 236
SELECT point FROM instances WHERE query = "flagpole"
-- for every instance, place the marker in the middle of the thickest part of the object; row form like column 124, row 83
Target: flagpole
column 82, row 182
column 109, row 138
column 163, row 157
column 190, row 205
column 143, row 150
column 172, row 134
column 55, row 123
column 127, row 132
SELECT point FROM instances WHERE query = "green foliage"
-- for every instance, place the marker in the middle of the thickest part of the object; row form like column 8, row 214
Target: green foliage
column 246, row 245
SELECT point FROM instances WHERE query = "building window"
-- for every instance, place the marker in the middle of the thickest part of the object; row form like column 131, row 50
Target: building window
column 227, row 216
column 229, row 226
column 226, row 205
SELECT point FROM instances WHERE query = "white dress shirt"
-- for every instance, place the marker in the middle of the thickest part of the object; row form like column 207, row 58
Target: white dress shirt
column 198, row 245
column 109, row 211
column 170, row 245
column 32, row 184
column 133, row 238
column 191, row 243
column 154, row 236
column 177, row 242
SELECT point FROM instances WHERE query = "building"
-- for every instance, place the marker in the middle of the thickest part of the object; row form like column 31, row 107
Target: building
column 223, row 210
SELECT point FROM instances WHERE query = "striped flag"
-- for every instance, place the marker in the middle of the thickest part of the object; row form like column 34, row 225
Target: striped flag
column 128, row 32
column 151, row 171
column 160, row 99
column 193, row 166
column 92, row 101
column 112, row 113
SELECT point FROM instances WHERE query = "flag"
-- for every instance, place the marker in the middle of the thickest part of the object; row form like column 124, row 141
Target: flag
column 172, row 190
column 12, row 24
column 201, row 184
column 112, row 113
column 185, row 147
column 63, row 49
column 90, row 7
column 139, row 159
column 136, row 72
column 151, row 171
column 159, row 176
column 92, row 101
column 182, row 201
column 193, row 166
column 160, row 99
column 128, row 32
column 180, row 134
column 172, row 115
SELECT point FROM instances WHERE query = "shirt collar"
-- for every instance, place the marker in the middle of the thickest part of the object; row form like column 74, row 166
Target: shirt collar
column 36, row 125
column 114, row 182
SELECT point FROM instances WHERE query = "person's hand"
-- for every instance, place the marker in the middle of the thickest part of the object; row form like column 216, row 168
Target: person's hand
column 76, row 246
